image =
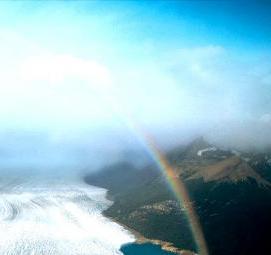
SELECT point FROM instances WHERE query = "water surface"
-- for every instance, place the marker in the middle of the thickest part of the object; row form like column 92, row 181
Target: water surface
column 144, row 249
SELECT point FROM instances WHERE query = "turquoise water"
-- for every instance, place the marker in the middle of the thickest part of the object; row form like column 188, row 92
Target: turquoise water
column 144, row 249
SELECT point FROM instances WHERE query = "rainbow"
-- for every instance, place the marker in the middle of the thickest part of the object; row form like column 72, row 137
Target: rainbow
column 174, row 180
column 176, row 184
column 181, row 194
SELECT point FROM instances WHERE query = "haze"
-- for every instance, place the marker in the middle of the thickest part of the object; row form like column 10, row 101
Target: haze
column 75, row 76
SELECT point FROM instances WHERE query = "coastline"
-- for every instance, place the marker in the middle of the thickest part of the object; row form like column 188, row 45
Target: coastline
column 141, row 239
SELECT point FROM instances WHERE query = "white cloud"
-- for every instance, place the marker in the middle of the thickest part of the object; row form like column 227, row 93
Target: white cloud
column 40, row 88
column 201, row 52
column 266, row 118
column 58, row 68
column 200, row 63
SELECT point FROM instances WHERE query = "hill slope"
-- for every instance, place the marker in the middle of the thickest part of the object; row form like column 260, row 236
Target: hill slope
column 232, row 200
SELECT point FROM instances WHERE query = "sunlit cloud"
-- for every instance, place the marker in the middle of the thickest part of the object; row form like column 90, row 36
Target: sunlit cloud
column 57, row 68
column 66, row 75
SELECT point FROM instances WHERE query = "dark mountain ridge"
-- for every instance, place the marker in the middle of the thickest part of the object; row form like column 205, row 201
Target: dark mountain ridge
column 231, row 195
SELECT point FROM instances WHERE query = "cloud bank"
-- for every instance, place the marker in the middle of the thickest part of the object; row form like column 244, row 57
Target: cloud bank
column 83, row 74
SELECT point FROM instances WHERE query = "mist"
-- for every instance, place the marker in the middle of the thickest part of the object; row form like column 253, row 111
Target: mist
column 76, row 79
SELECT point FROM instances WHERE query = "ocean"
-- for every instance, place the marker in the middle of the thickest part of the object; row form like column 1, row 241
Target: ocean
column 143, row 249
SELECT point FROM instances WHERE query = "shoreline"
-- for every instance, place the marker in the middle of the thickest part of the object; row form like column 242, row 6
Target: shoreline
column 140, row 239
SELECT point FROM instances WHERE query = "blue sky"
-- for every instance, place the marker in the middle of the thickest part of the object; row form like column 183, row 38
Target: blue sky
column 89, row 65
column 169, row 23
